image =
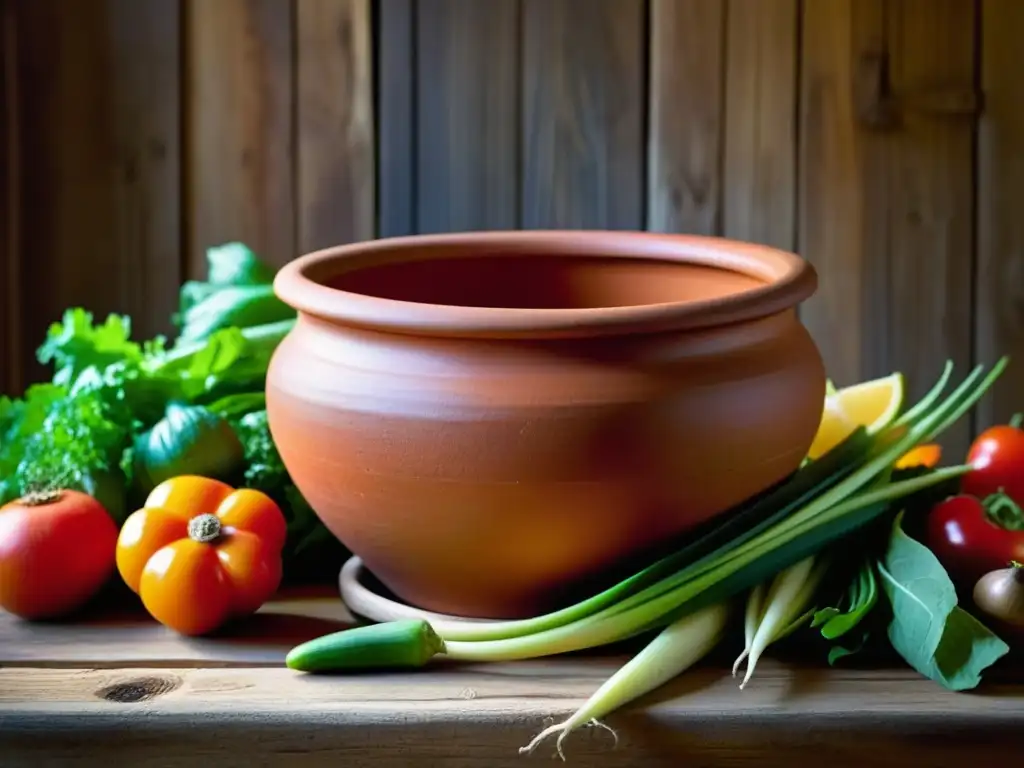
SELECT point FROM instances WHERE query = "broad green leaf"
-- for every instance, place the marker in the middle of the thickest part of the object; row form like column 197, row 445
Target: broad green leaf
column 928, row 629
column 236, row 264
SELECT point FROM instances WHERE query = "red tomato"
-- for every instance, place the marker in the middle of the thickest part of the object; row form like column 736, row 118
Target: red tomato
column 997, row 458
column 56, row 551
column 965, row 534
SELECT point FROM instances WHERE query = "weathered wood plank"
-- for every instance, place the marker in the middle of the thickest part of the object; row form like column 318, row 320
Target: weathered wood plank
column 583, row 86
column 467, row 126
column 482, row 715
column 396, row 112
column 125, row 636
column 10, row 267
column 843, row 190
column 240, row 166
column 932, row 49
column 99, row 135
column 335, row 125
column 761, row 120
column 686, row 116
column 999, row 303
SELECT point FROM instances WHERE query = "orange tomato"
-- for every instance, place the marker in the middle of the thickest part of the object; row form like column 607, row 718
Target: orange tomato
column 56, row 552
column 200, row 552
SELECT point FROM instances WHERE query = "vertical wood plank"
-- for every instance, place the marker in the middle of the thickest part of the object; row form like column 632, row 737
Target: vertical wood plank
column 583, row 84
column 843, row 190
column 99, row 134
column 686, row 116
column 1000, row 264
column 336, row 164
column 467, row 126
column 240, row 140
column 761, row 120
column 396, row 110
column 932, row 44
column 10, row 279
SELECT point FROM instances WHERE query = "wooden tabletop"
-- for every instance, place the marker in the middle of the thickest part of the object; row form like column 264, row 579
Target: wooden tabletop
column 120, row 688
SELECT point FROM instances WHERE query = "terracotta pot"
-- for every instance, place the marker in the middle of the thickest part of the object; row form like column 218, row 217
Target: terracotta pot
column 490, row 420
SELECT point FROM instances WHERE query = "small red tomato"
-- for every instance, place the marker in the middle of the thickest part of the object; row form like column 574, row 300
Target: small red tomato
column 997, row 461
column 967, row 537
column 57, row 550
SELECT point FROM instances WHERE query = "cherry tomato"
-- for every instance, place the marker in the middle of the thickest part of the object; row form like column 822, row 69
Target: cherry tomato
column 971, row 537
column 56, row 552
column 997, row 461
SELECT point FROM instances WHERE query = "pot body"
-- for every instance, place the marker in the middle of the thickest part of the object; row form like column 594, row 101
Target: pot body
column 485, row 477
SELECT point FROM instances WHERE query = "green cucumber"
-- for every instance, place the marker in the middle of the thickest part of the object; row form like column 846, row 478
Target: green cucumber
column 406, row 643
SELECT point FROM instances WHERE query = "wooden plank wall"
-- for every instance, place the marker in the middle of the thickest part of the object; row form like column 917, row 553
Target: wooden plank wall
column 881, row 139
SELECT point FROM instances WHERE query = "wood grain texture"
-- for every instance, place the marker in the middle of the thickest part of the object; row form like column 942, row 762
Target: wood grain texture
column 482, row 716
column 241, row 172
column 335, row 125
column 127, row 637
column 396, row 113
column 761, row 88
column 10, row 246
column 467, row 122
column 583, row 86
column 999, row 303
column 931, row 206
column 843, row 191
column 99, row 144
column 144, row 697
column 686, row 116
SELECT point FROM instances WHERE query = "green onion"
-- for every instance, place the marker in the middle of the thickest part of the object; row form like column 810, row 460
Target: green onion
column 788, row 598
column 778, row 536
column 751, row 620
column 679, row 646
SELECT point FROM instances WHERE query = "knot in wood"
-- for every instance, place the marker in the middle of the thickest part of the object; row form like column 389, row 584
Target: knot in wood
column 138, row 690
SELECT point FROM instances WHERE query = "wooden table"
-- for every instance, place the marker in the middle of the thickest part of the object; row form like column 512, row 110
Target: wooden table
column 119, row 690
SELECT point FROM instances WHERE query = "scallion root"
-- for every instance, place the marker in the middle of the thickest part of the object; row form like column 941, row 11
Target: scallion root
column 787, row 600
column 677, row 647
column 755, row 610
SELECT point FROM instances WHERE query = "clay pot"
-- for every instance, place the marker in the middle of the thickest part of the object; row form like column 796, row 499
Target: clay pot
column 491, row 420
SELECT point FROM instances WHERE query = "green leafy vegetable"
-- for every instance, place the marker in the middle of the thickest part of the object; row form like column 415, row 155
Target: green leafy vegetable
column 238, row 293
column 121, row 414
column 861, row 597
column 928, row 629
column 188, row 440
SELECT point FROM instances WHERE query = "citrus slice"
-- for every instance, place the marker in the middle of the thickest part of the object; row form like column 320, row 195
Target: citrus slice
column 873, row 405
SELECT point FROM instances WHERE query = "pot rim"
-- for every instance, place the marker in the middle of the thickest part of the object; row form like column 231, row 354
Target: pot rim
column 789, row 279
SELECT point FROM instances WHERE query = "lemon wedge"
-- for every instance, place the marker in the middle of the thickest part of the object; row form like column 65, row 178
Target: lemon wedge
column 871, row 404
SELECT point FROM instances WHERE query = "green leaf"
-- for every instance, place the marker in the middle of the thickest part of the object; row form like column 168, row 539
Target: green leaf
column 862, row 595
column 77, row 343
column 837, row 652
column 236, row 264
column 242, row 306
column 928, row 629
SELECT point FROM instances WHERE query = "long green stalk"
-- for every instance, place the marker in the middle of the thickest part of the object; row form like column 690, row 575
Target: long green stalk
column 836, row 465
column 612, row 626
column 671, row 596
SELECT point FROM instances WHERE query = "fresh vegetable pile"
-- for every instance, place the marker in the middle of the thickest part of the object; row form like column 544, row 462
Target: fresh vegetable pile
column 869, row 545
column 825, row 553
column 120, row 416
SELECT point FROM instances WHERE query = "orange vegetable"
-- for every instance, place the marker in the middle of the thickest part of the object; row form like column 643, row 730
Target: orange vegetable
column 200, row 552
column 927, row 455
column 56, row 553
